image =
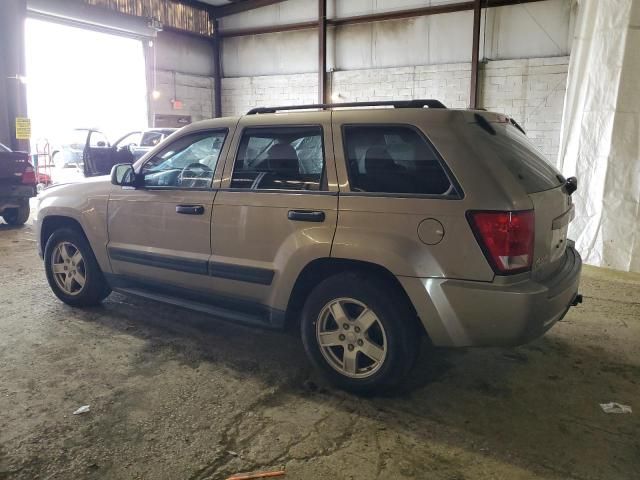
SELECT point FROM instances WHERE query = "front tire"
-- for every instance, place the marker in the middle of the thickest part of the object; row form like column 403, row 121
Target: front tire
column 72, row 270
column 17, row 216
column 361, row 332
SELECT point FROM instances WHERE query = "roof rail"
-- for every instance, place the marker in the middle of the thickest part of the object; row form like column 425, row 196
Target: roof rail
column 392, row 103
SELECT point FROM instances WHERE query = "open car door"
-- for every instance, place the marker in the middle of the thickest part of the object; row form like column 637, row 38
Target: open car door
column 98, row 156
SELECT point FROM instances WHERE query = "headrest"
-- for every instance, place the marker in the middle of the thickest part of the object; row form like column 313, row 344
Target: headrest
column 283, row 157
column 378, row 160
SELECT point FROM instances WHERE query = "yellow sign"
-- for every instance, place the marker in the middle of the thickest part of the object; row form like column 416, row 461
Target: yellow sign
column 23, row 128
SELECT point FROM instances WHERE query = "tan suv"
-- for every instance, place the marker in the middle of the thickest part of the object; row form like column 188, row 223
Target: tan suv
column 368, row 226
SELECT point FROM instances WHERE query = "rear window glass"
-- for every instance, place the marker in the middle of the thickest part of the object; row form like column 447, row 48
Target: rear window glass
column 521, row 157
column 393, row 159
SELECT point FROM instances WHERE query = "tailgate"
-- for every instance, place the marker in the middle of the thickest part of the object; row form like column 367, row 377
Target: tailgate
column 553, row 212
column 12, row 165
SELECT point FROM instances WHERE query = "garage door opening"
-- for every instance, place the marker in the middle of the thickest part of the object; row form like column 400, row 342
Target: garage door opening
column 80, row 78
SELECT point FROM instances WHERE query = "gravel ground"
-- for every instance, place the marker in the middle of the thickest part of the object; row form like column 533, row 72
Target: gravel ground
column 179, row 395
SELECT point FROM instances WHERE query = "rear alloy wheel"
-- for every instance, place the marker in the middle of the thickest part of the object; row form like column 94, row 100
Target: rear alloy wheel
column 360, row 331
column 16, row 216
column 72, row 270
column 351, row 338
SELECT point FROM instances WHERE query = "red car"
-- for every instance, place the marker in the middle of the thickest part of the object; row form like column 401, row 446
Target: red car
column 17, row 185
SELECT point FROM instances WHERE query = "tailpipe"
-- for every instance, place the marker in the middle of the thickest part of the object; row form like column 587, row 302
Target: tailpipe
column 577, row 300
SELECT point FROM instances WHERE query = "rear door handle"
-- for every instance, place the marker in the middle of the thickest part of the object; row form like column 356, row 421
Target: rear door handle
column 306, row 216
column 190, row 209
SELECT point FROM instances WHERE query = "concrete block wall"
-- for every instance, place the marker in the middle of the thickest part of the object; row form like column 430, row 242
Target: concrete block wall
column 241, row 94
column 448, row 83
column 194, row 91
column 531, row 91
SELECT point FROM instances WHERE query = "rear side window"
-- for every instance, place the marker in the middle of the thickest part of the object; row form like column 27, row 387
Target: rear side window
column 393, row 159
column 525, row 162
column 280, row 158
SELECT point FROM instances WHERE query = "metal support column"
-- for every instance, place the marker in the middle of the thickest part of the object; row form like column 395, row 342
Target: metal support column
column 475, row 54
column 13, row 92
column 322, row 51
column 217, row 74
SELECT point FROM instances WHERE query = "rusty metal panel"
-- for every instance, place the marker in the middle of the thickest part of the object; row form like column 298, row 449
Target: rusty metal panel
column 172, row 14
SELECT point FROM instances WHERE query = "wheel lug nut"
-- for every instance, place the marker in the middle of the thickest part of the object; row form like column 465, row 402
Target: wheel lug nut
column 360, row 343
column 350, row 347
column 345, row 326
column 341, row 337
column 357, row 329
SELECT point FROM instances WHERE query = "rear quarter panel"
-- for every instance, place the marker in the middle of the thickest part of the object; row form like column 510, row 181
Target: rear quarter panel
column 384, row 229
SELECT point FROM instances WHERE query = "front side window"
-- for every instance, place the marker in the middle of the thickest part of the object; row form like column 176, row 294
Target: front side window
column 131, row 139
column 98, row 139
column 189, row 162
column 280, row 158
column 151, row 139
column 393, row 159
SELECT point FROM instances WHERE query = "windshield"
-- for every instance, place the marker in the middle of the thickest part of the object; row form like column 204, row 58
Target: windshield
column 520, row 156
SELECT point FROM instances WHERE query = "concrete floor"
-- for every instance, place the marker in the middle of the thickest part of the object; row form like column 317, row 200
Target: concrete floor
column 179, row 395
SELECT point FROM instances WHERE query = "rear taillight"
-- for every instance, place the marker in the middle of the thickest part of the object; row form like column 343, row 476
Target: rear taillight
column 29, row 175
column 506, row 238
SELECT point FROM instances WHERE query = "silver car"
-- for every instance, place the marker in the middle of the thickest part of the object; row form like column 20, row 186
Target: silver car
column 370, row 228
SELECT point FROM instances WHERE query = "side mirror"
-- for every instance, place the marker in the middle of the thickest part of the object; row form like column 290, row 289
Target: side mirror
column 123, row 174
column 102, row 143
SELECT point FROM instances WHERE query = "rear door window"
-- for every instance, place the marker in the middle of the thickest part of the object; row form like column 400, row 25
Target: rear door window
column 280, row 158
column 520, row 156
column 393, row 159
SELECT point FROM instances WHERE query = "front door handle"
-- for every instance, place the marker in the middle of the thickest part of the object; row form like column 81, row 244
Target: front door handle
column 306, row 216
column 190, row 209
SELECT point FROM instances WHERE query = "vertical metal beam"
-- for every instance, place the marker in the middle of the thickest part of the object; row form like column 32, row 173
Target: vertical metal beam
column 13, row 14
column 217, row 74
column 322, row 51
column 475, row 54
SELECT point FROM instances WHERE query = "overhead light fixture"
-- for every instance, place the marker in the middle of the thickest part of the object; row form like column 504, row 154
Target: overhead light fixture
column 155, row 94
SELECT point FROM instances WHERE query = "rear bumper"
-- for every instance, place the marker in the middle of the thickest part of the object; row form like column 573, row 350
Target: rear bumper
column 464, row 313
column 12, row 196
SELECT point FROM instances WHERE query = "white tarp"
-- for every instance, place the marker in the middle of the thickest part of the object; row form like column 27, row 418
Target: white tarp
column 601, row 132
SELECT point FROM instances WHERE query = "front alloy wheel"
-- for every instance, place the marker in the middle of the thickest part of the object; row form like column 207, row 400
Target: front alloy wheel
column 68, row 266
column 72, row 270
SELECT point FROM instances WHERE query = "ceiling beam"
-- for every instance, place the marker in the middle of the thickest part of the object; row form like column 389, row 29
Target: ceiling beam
column 243, row 32
column 243, row 6
column 376, row 17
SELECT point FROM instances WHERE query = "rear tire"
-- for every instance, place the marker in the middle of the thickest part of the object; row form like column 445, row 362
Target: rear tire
column 361, row 332
column 72, row 270
column 17, row 216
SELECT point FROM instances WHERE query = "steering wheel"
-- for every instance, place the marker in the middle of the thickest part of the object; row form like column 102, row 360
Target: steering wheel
column 194, row 173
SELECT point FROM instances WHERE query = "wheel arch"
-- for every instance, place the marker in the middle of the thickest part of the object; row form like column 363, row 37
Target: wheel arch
column 319, row 269
column 52, row 223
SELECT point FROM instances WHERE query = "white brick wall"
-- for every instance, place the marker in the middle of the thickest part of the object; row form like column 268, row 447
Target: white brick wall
column 531, row 91
column 448, row 83
column 241, row 94
column 195, row 92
